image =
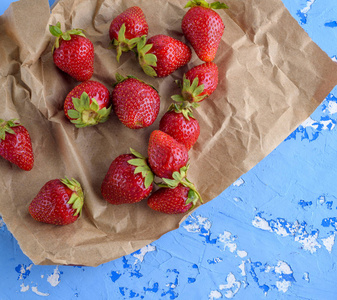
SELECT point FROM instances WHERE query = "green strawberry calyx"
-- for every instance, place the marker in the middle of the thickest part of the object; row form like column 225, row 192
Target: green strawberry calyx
column 56, row 31
column 203, row 3
column 122, row 44
column 188, row 100
column 146, row 60
column 180, row 178
column 76, row 199
column 86, row 113
column 140, row 162
column 6, row 127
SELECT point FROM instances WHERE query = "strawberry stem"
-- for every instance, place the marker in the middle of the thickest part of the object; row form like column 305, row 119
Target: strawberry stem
column 6, row 127
column 77, row 197
column 56, row 31
column 203, row 3
column 140, row 162
column 86, row 113
column 180, row 178
column 122, row 44
column 146, row 60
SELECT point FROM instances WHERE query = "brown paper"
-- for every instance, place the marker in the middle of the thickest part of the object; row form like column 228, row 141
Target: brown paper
column 271, row 78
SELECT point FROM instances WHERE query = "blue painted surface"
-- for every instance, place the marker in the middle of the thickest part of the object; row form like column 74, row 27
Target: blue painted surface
column 270, row 235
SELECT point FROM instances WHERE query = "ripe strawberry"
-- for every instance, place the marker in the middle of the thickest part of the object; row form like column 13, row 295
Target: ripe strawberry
column 165, row 154
column 161, row 55
column 207, row 77
column 15, row 144
column 127, row 28
column 88, row 104
column 73, row 53
column 175, row 196
column 183, row 129
column 128, row 180
column 135, row 103
column 203, row 27
column 59, row 202
column 170, row 201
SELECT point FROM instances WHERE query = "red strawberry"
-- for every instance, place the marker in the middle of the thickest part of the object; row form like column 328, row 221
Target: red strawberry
column 135, row 103
column 128, row 180
column 127, row 28
column 170, row 201
column 88, row 104
column 162, row 55
column 59, row 202
column 206, row 75
column 73, row 53
column 15, row 144
column 203, row 27
column 176, row 195
column 183, row 129
column 165, row 154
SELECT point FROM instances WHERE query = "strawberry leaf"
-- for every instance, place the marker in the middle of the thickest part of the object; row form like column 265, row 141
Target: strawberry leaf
column 136, row 162
column 6, row 127
column 77, row 197
column 74, row 114
column 148, row 179
column 219, row 5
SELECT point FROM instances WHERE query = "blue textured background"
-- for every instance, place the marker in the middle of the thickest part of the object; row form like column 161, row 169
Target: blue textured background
column 270, row 235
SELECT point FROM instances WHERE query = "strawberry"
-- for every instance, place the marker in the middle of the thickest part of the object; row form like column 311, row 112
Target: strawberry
column 170, row 201
column 15, row 144
column 165, row 154
column 135, row 103
column 203, row 27
column 176, row 195
column 183, row 129
column 73, row 52
column 128, row 180
column 127, row 28
column 161, row 55
column 206, row 75
column 59, row 202
column 88, row 104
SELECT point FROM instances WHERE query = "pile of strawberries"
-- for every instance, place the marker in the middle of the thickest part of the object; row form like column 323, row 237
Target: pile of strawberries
column 131, row 177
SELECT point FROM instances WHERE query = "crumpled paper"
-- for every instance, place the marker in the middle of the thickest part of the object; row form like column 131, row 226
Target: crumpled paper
column 272, row 76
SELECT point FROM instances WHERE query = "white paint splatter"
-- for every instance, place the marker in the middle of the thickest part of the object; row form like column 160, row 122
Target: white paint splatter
column 332, row 107
column 309, row 242
column 232, row 286
column 143, row 251
column 239, row 182
column 310, row 123
column 283, row 268
column 283, row 285
column 283, row 228
column 214, row 295
column 198, row 223
column 261, row 223
column 24, row 288
column 242, row 267
column 329, row 242
column 321, row 199
column 306, row 277
column 328, row 125
column 23, row 270
column 35, row 290
column 54, row 279
column 228, row 241
column 241, row 253
column 308, row 7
